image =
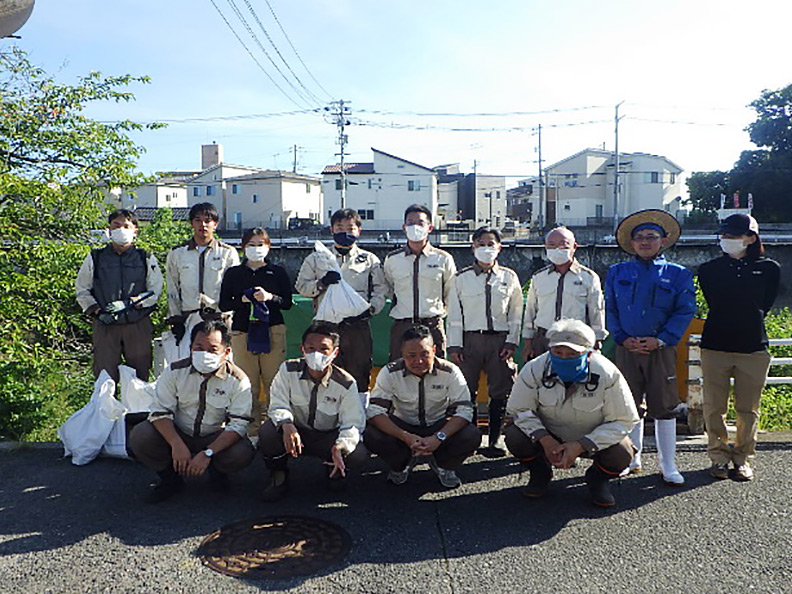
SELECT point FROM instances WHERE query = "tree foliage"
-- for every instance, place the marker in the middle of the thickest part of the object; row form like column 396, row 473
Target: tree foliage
column 55, row 165
column 765, row 173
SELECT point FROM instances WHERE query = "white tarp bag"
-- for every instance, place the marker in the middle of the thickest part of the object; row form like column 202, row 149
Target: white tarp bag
column 85, row 432
column 340, row 300
column 116, row 444
column 136, row 395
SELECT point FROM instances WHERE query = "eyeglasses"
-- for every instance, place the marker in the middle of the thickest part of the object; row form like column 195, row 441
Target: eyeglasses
column 646, row 238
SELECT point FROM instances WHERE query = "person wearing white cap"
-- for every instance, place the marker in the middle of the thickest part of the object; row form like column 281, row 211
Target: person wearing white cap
column 740, row 287
column 649, row 303
column 567, row 403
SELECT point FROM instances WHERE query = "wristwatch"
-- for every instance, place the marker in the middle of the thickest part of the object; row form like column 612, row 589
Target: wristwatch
column 441, row 436
column 209, row 452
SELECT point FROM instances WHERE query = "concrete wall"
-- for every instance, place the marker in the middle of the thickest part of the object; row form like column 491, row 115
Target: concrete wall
column 527, row 259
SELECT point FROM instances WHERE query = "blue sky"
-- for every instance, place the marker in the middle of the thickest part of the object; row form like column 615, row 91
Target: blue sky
column 694, row 66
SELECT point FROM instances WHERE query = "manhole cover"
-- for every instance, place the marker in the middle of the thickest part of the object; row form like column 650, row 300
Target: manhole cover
column 274, row 547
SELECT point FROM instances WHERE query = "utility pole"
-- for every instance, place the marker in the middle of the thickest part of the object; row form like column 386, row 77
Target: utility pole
column 540, row 218
column 294, row 167
column 616, row 171
column 340, row 111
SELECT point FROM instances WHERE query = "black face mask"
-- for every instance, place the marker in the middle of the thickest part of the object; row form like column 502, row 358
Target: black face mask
column 344, row 239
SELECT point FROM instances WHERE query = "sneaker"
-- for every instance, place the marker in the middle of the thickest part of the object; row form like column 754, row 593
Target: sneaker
column 165, row 489
column 399, row 477
column 448, row 478
column 743, row 473
column 277, row 488
column 719, row 470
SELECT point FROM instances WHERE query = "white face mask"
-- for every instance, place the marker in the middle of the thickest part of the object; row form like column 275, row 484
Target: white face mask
column 318, row 361
column 122, row 236
column 417, row 232
column 732, row 246
column 205, row 362
column 257, row 253
column 486, row 254
column 559, row 256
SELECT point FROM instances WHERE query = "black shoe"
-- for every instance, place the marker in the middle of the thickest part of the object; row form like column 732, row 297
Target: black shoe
column 492, row 452
column 165, row 489
column 277, row 488
column 599, row 487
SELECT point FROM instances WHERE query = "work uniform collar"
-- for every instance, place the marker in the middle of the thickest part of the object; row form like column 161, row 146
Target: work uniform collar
column 221, row 372
column 432, row 371
column 574, row 267
column 479, row 270
column 191, row 245
column 658, row 259
column 354, row 250
column 305, row 374
column 427, row 249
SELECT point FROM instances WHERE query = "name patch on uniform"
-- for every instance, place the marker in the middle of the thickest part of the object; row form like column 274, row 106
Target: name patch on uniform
column 436, row 386
column 331, row 399
column 220, row 392
column 756, row 272
column 433, row 265
column 578, row 282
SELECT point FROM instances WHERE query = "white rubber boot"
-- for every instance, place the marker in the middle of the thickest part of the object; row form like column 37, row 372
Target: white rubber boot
column 665, row 435
column 637, row 437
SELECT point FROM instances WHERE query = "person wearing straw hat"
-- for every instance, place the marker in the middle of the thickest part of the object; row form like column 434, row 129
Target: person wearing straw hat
column 649, row 303
column 567, row 403
column 740, row 287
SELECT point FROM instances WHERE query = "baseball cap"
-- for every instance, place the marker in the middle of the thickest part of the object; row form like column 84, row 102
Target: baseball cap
column 739, row 224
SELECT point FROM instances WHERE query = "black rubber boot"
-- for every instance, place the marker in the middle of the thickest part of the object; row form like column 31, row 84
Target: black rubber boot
column 541, row 475
column 497, row 408
column 170, row 484
column 598, row 482
column 277, row 487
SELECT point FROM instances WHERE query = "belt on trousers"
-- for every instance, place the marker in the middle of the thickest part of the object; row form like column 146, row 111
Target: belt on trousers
column 425, row 321
column 487, row 332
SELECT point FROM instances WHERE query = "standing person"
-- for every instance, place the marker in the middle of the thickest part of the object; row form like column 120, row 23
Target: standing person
column 419, row 280
column 740, row 288
column 314, row 411
column 649, row 303
column 568, row 403
column 113, row 278
column 484, row 316
column 363, row 271
column 257, row 291
column 420, row 407
column 564, row 289
column 194, row 271
column 199, row 417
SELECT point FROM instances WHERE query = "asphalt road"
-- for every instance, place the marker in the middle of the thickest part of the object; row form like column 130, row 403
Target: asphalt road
column 84, row 529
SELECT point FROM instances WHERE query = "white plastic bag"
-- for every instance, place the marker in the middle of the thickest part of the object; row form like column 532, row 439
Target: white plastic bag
column 136, row 395
column 85, row 432
column 116, row 444
column 340, row 300
column 176, row 352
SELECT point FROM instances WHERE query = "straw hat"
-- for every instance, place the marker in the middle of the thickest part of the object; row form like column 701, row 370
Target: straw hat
column 651, row 215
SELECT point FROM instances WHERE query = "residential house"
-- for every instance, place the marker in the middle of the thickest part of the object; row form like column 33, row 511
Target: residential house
column 470, row 197
column 381, row 190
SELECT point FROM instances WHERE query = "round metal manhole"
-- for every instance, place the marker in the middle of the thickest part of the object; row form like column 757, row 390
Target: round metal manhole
column 274, row 547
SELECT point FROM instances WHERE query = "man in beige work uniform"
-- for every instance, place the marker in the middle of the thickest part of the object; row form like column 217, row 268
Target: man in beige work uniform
column 194, row 272
column 564, row 289
column 314, row 411
column 419, row 279
column 363, row 271
column 484, row 317
column 199, row 418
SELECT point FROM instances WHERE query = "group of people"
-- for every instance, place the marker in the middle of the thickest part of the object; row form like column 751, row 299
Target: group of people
column 234, row 387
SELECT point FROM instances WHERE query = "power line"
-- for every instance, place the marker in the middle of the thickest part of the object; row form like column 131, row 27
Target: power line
column 294, row 49
column 481, row 114
column 658, row 121
column 277, row 51
column 239, row 39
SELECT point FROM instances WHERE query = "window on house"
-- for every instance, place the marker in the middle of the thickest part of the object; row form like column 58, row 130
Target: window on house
column 369, row 184
column 598, row 211
column 497, row 195
column 673, row 177
column 238, row 220
column 210, row 190
column 413, row 185
column 307, row 188
column 362, row 213
column 654, row 177
column 255, row 198
column 196, row 191
column 234, row 189
column 338, row 184
column 567, row 207
column 167, row 197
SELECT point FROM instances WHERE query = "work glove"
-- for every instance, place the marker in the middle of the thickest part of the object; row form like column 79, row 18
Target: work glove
column 177, row 327
column 330, row 278
column 358, row 318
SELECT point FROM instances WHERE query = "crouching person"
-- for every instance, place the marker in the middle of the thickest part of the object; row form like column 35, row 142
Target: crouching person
column 199, row 418
column 571, row 402
column 420, row 407
column 315, row 411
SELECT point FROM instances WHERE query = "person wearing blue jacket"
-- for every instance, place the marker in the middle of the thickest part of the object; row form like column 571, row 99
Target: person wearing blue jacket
column 649, row 303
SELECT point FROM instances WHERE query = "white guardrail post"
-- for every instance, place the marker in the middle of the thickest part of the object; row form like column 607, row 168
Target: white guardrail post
column 695, row 381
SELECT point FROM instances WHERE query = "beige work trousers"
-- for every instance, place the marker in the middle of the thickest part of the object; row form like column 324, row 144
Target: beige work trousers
column 260, row 369
column 749, row 371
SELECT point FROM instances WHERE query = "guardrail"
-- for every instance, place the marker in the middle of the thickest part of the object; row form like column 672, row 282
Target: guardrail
column 695, row 382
